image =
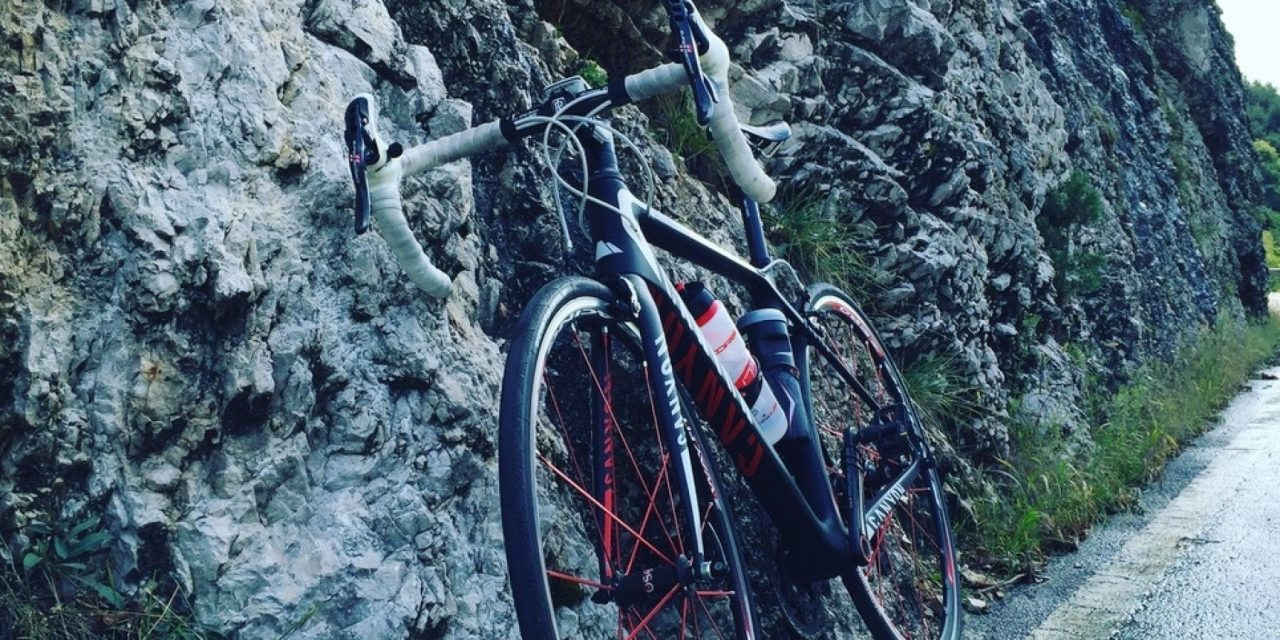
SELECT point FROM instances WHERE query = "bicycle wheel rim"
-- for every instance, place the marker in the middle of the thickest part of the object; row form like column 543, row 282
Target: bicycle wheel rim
column 908, row 590
column 601, row 506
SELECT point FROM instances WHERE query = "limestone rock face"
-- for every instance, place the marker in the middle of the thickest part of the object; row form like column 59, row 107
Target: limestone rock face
column 195, row 344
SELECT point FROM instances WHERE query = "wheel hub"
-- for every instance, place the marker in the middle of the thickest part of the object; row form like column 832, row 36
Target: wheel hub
column 651, row 584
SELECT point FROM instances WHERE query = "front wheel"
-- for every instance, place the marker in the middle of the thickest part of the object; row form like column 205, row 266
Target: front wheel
column 908, row 589
column 594, row 501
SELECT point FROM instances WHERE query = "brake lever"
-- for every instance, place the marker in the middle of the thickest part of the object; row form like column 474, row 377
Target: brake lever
column 692, row 43
column 362, row 150
column 361, row 135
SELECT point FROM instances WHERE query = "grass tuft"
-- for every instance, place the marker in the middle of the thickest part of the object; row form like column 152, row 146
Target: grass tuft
column 679, row 131
column 820, row 244
column 944, row 396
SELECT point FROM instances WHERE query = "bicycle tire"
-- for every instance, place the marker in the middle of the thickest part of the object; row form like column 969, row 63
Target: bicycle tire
column 576, row 420
column 909, row 587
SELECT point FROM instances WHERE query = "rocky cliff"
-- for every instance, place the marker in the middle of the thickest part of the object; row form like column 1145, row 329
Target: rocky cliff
column 269, row 414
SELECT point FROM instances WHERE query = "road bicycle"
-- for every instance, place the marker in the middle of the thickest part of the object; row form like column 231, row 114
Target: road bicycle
column 614, row 512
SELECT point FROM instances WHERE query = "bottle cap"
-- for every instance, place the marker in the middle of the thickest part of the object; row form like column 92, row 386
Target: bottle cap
column 760, row 315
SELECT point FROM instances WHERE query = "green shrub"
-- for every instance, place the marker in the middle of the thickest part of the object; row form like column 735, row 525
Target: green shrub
column 593, row 73
column 1067, row 207
column 1269, row 159
column 1263, row 108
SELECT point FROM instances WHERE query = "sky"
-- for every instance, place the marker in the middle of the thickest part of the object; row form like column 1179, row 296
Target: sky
column 1254, row 25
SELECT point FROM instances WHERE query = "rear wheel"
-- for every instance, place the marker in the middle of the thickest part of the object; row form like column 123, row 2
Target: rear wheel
column 598, row 543
column 908, row 590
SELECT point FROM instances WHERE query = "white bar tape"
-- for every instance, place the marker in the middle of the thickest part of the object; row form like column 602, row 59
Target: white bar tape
column 388, row 214
column 388, row 208
column 453, row 147
column 654, row 82
column 726, row 133
column 738, row 157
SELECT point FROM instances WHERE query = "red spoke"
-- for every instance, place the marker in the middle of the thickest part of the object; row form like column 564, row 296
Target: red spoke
column 851, row 362
column 924, row 531
column 635, row 466
column 714, row 627
column 915, row 568
column 644, row 624
column 657, row 434
column 644, row 486
column 649, row 511
column 573, row 458
column 884, row 535
column 612, row 516
column 555, row 404
column 697, row 631
column 586, row 359
column 875, row 555
column 626, row 445
column 650, row 633
column 716, row 594
column 575, row 579
column 684, row 617
column 613, row 418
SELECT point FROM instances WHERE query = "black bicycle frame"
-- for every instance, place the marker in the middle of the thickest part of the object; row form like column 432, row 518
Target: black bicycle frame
column 797, row 496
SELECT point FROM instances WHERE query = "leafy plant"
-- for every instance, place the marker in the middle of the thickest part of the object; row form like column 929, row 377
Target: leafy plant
column 593, row 73
column 61, row 558
column 59, row 588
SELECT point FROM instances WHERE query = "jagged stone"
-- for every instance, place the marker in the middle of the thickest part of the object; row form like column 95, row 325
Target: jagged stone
column 193, row 339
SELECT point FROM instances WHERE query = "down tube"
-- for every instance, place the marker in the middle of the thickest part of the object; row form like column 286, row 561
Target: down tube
column 723, row 408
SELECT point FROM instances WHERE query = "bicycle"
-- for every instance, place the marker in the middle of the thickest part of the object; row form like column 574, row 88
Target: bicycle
column 613, row 509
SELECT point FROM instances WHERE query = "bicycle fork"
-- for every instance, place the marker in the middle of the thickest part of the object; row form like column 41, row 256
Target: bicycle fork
column 636, row 584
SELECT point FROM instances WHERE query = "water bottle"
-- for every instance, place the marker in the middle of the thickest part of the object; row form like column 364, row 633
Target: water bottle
column 769, row 339
column 731, row 350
